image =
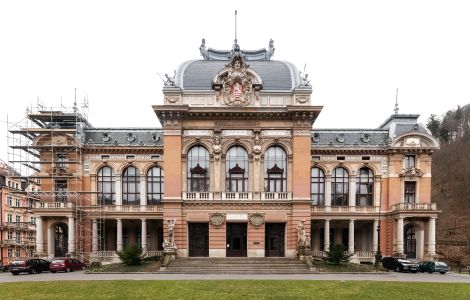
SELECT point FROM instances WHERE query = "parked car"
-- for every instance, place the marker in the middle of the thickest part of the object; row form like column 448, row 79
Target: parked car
column 31, row 265
column 3, row 268
column 433, row 266
column 66, row 264
column 399, row 265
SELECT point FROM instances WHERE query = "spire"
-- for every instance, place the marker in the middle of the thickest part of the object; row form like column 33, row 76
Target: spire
column 396, row 103
column 235, row 47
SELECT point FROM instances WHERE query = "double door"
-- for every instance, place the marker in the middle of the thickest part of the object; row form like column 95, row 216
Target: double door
column 274, row 239
column 236, row 239
column 198, row 239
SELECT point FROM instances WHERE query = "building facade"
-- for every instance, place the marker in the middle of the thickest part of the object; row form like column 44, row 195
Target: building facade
column 238, row 170
column 17, row 222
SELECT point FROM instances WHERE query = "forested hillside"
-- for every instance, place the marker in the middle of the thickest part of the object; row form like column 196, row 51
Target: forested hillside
column 451, row 181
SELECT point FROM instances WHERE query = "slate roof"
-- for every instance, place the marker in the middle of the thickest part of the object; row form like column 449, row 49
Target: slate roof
column 137, row 137
column 276, row 75
column 349, row 138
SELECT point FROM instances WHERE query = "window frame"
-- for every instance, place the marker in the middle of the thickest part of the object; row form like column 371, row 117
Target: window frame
column 368, row 182
column 318, row 180
column 342, row 181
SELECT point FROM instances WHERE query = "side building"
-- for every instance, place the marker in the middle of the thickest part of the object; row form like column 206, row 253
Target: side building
column 237, row 167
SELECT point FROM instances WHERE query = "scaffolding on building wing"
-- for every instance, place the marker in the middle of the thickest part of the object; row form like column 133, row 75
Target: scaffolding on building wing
column 46, row 148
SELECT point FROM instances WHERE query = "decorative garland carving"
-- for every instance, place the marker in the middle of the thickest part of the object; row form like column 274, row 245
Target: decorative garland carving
column 256, row 219
column 217, row 219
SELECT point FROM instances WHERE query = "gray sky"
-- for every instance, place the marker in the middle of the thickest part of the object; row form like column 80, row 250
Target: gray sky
column 356, row 52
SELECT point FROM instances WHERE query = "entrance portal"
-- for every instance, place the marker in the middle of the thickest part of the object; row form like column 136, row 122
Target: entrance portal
column 236, row 239
column 410, row 241
column 198, row 239
column 274, row 239
column 60, row 240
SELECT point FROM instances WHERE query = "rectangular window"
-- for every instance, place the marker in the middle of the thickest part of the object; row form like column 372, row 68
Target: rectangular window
column 130, row 156
column 18, row 219
column 340, row 157
column 61, row 191
column 9, row 218
column 366, row 158
column 105, row 156
column 315, row 158
column 18, row 252
column 410, row 192
column 10, row 252
column 9, row 200
column 155, row 157
column 33, row 220
column 10, row 235
column 410, row 161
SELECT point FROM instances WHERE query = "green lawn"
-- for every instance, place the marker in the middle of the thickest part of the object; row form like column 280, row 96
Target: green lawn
column 236, row 289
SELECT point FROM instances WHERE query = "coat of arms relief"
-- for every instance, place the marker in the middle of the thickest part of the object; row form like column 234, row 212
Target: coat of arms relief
column 236, row 84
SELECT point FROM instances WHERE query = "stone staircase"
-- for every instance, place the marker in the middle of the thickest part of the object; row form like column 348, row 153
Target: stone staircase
column 236, row 265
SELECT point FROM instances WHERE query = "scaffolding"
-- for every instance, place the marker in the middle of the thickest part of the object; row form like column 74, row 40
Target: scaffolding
column 46, row 148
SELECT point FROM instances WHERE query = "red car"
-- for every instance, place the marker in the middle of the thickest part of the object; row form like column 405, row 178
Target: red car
column 66, row 265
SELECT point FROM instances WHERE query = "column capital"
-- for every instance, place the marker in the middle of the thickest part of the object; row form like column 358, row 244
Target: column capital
column 143, row 219
column 352, row 220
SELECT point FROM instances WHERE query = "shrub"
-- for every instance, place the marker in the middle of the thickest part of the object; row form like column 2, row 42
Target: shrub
column 337, row 255
column 131, row 255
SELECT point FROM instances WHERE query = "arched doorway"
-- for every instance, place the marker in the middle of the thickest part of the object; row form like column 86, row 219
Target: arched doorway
column 410, row 241
column 61, row 246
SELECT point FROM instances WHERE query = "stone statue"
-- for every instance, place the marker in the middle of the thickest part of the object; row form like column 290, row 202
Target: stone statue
column 303, row 239
column 217, row 146
column 170, row 80
column 270, row 49
column 203, row 51
column 170, row 242
column 303, row 80
column 257, row 146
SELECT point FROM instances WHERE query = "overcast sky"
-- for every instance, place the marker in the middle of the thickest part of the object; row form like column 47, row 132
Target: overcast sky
column 356, row 54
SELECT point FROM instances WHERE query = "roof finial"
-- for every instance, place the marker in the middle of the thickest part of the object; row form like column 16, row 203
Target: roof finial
column 396, row 103
column 235, row 41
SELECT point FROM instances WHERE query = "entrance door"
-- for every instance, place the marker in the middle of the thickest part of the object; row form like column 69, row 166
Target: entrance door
column 236, row 239
column 60, row 240
column 410, row 242
column 274, row 239
column 198, row 239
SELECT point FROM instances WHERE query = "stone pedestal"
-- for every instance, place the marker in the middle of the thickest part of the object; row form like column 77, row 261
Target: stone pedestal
column 169, row 254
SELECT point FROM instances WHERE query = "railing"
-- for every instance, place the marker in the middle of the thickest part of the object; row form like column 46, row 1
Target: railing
column 133, row 208
column 11, row 242
column 106, row 253
column 155, row 253
column 318, row 253
column 236, row 196
column 197, row 196
column 365, row 254
column 21, row 225
column 55, row 205
column 345, row 209
column 276, row 196
column 414, row 206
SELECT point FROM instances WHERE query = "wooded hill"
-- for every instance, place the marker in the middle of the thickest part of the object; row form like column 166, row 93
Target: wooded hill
column 451, row 181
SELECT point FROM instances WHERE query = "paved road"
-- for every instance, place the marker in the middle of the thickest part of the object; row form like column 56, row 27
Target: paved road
column 392, row 276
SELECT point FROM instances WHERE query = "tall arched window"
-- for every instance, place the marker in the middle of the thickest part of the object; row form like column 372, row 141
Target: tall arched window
column 236, row 176
column 130, row 186
column 410, row 241
column 340, row 187
column 365, row 187
column 275, row 166
column 154, row 186
column 317, row 187
column 198, row 169
column 105, row 182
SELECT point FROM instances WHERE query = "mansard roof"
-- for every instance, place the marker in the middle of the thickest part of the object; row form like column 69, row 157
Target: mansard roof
column 137, row 137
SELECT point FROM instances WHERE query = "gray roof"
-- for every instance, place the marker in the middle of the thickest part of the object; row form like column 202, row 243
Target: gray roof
column 276, row 75
column 124, row 137
column 349, row 138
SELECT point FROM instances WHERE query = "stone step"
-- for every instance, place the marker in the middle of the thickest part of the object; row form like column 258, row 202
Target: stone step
column 302, row 271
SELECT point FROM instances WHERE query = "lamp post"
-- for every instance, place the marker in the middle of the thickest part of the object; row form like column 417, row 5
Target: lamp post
column 378, row 253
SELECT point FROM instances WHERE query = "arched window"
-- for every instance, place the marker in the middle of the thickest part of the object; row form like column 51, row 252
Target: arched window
column 130, row 186
column 106, row 186
column 275, row 166
column 317, row 186
column 198, row 169
column 236, row 176
column 365, row 187
column 340, row 187
column 60, row 240
column 154, row 186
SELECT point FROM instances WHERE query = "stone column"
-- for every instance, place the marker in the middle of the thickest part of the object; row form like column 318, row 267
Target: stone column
column 118, row 191
column 144, row 234
column 351, row 236
column 400, row 235
column 50, row 242
column 143, row 192
column 39, row 236
column 71, row 226
column 118, row 234
column 328, row 192
column 326, row 235
column 352, row 193
column 432, row 236
column 375, row 235
column 94, row 237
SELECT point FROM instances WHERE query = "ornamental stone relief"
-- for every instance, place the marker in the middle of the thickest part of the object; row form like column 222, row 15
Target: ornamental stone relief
column 217, row 219
column 256, row 219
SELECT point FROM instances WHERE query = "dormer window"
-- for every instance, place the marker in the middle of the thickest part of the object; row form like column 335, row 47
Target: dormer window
column 410, row 161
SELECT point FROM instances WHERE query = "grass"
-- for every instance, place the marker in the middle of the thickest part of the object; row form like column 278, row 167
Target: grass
column 233, row 289
column 145, row 266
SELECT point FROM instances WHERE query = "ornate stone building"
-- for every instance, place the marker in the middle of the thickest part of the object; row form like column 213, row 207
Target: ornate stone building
column 237, row 166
